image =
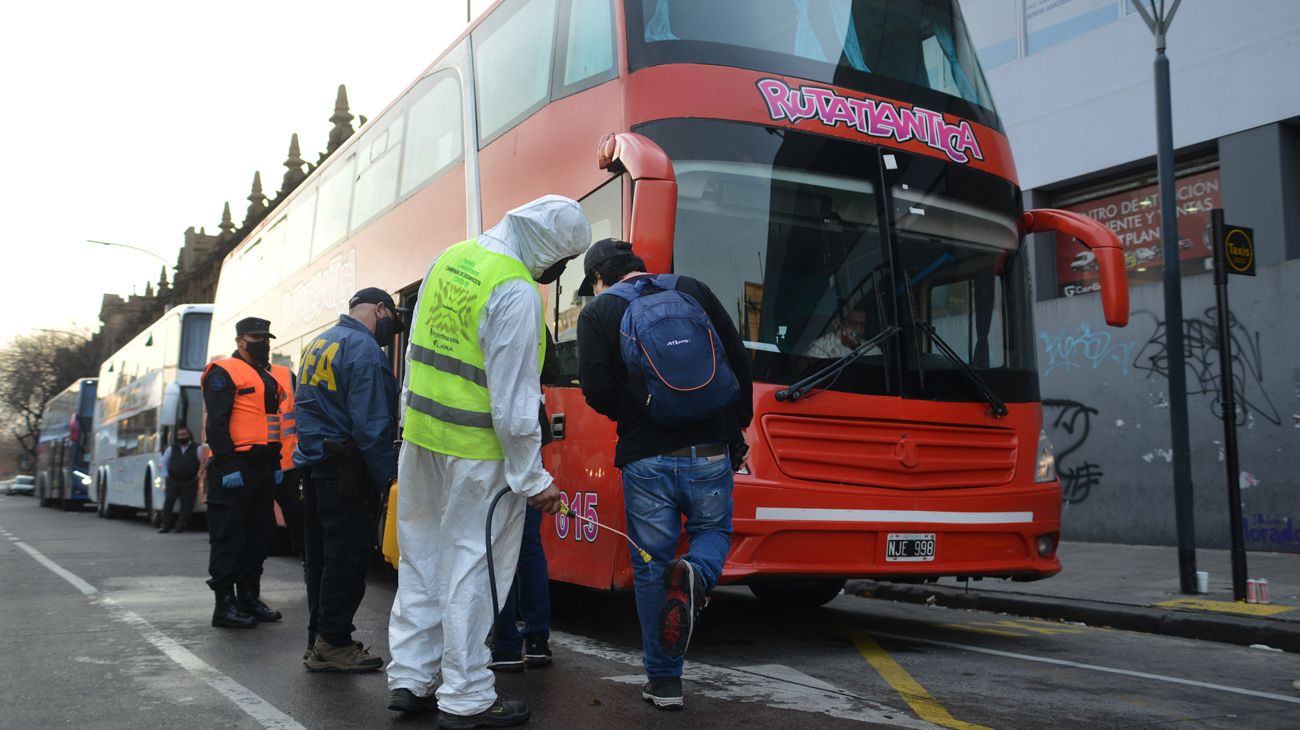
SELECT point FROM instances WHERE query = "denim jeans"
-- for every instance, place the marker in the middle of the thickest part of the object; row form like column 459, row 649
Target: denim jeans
column 530, row 594
column 657, row 492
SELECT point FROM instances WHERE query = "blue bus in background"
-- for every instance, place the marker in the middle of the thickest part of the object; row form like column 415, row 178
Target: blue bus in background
column 63, row 449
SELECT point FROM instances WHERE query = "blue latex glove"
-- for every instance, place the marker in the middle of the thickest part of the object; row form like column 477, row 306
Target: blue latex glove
column 233, row 480
column 279, row 476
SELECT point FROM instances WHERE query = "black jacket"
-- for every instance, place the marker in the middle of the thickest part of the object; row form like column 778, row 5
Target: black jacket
column 605, row 385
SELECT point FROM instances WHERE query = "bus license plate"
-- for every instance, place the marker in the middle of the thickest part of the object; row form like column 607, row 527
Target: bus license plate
column 909, row 547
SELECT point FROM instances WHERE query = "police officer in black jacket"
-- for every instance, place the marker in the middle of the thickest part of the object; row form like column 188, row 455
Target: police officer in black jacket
column 241, row 395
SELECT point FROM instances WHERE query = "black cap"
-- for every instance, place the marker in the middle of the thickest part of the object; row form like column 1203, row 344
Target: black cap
column 372, row 295
column 254, row 326
column 601, row 251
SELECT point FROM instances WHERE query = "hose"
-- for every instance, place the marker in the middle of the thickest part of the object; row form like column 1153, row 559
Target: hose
column 564, row 510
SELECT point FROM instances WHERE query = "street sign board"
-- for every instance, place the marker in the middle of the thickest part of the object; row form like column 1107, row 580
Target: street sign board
column 1239, row 249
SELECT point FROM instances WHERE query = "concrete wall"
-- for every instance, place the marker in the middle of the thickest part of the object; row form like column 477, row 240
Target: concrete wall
column 1088, row 103
column 1105, row 394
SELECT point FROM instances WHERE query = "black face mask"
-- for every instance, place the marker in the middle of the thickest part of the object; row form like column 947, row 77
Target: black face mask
column 385, row 329
column 551, row 274
column 183, row 442
column 259, row 352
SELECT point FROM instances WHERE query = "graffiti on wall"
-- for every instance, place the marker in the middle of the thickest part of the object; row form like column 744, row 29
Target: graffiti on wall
column 1075, row 420
column 1271, row 530
column 1081, row 347
column 1201, row 354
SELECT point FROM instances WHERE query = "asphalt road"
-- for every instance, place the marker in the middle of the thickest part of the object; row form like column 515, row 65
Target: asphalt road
column 105, row 625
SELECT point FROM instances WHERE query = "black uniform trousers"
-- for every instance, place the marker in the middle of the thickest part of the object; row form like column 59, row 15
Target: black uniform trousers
column 288, row 494
column 185, row 491
column 241, row 522
column 340, row 518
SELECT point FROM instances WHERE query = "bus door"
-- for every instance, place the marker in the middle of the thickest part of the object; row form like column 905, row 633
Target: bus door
column 581, row 457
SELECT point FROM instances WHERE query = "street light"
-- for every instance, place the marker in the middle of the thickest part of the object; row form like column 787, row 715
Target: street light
column 1158, row 17
column 133, row 248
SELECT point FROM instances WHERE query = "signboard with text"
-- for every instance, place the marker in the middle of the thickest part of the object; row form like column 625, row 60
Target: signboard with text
column 1134, row 216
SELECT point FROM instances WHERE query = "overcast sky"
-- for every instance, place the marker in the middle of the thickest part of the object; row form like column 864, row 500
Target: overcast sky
column 131, row 121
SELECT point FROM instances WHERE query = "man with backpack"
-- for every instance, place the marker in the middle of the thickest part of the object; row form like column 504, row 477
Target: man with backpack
column 660, row 356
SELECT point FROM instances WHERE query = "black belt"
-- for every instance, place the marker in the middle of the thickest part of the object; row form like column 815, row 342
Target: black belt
column 700, row 452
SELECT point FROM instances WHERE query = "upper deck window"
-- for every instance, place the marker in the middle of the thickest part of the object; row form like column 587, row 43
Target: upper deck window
column 513, row 50
column 918, row 46
column 434, row 141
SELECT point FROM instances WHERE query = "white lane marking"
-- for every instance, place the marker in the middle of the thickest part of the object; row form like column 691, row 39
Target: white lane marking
column 774, row 685
column 81, row 585
column 794, row 514
column 245, row 699
column 1093, row 667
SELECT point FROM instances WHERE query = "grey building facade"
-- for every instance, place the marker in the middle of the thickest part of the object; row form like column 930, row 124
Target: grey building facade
column 1073, row 83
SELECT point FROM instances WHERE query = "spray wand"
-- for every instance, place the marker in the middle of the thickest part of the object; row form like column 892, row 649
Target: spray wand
column 564, row 510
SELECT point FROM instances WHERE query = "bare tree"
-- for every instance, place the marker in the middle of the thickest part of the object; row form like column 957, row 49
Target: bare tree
column 34, row 368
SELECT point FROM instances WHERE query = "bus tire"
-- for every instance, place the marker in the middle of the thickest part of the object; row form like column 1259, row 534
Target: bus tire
column 797, row 594
column 152, row 514
column 101, row 497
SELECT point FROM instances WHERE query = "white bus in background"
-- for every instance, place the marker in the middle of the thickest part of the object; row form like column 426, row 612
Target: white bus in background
column 146, row 390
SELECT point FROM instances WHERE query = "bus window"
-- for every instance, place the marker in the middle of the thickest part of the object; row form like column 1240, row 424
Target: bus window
column 332, row 207
column 604, row 209
column 588, row 47
column 377, row 172
column 297, row 235
column 434, row 138
column 268, row 268
column 194, row 341
column 512, row 64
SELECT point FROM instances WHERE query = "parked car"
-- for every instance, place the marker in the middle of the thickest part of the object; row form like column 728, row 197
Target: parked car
column 24, row 484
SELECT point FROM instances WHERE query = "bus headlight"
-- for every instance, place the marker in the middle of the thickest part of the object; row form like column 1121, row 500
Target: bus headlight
column 1045, row 471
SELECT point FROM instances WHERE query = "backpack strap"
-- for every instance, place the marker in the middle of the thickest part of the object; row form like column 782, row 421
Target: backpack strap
column 623, row 290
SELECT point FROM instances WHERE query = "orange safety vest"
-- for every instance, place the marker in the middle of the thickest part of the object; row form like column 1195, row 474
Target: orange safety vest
column 250, row 424
column 288, row 419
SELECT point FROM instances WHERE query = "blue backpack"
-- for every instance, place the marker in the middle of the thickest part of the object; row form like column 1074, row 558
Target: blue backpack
column 673, row 352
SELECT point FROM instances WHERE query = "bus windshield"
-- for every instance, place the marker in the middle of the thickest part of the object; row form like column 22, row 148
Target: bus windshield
column 915, row 44
column 786, row 229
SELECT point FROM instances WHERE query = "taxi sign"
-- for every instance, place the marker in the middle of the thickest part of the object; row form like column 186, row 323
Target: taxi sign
column 1239, row 250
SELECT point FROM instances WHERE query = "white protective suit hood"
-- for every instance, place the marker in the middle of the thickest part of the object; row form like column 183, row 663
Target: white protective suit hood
column 544, row 231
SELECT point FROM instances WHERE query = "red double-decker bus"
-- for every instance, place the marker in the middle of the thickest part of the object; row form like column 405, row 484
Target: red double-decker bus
column 834, row 170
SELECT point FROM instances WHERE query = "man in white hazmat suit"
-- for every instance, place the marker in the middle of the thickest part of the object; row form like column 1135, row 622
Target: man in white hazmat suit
column 470, row 428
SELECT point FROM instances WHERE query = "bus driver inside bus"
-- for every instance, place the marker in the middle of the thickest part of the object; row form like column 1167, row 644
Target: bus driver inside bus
column 842, row 339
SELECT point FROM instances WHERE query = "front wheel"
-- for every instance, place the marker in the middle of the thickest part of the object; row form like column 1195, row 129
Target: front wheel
column 798, row 593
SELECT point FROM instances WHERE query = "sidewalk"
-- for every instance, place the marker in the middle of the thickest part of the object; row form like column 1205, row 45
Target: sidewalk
column 1132, row 587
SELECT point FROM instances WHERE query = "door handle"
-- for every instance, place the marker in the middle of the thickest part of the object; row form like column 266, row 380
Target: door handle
column 557, row 426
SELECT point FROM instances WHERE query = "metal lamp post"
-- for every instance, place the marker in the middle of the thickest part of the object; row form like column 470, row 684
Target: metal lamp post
column 1158, row 18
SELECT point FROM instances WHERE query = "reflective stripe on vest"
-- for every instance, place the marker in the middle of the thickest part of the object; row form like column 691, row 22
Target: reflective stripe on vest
column 449, row 409
column 288, row 420
column 250, row 424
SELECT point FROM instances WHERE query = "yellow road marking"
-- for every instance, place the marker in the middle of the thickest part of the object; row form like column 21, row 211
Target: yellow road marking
column 983, row 630
column 1251, row 609
column 916, row 697
column 1056, row 629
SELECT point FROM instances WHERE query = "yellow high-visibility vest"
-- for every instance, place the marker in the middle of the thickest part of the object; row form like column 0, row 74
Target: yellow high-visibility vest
column 448, row 407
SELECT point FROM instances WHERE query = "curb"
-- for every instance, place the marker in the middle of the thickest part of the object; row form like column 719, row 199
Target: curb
column 1241, row 630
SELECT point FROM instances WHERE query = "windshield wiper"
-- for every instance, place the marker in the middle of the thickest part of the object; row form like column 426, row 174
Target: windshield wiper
column 997, row 408
column 832, row 370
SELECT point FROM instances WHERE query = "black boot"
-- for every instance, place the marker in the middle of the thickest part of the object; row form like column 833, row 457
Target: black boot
column 249, row 590
column 227, row 613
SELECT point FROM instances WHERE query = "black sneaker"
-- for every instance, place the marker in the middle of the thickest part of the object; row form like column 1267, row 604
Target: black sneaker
column 537, row 652
column 664, row 692
column 404, row 700
column 506, row 662
column 503, row 713
column 682, row 607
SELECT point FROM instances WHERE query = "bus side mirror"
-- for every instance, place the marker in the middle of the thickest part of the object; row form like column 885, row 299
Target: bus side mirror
column 1103, row 244
column 654, row 194
column 170, row 405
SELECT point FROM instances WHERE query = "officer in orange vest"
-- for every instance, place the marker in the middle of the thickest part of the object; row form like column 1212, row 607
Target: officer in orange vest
column 245, row 397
